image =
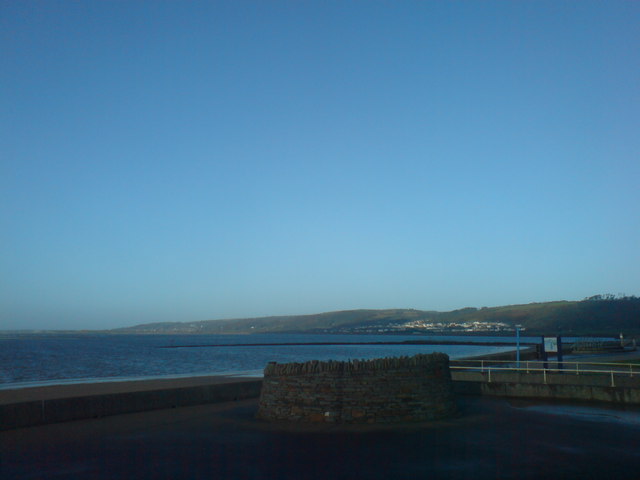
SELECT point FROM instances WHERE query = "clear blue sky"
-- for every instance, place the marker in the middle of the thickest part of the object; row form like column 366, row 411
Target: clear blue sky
column 179, row 161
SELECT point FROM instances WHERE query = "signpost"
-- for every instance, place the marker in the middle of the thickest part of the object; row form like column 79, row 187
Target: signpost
column 553, row 345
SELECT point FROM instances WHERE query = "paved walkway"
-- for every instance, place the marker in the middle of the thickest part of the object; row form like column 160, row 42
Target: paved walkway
column 491, row 439
column 51, row 392
column 609, row 357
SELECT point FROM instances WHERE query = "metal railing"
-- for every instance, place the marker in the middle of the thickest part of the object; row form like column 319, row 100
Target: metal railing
column 544, row 367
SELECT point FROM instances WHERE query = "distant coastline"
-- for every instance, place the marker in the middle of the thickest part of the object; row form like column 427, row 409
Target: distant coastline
column 600, row 315
column 597, row 316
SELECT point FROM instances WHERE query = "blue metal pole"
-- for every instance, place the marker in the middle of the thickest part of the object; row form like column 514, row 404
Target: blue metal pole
column 517, row 347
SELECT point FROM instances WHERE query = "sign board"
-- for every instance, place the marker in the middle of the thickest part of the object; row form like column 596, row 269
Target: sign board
column 550, row 344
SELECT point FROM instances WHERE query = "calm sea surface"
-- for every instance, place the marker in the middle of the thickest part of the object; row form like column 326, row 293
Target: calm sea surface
column 50, row 359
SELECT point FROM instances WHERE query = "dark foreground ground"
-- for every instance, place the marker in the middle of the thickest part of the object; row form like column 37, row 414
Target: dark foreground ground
column 491, row 439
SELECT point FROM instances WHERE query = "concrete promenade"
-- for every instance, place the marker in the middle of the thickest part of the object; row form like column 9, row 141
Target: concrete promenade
column 568, row 385
column 491, row 439
column 24, row 407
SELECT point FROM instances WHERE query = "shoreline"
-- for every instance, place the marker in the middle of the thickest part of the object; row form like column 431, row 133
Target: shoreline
column 32, row 391
column 62, row 391
column 61, row 382
column 253, row 373
column 39, row 405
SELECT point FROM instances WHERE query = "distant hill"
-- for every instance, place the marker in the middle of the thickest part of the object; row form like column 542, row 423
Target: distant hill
column 319, row 322
column 598, row 315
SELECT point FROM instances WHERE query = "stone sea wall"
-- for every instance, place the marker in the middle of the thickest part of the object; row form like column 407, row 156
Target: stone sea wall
column 387, row 390
column 81, row 406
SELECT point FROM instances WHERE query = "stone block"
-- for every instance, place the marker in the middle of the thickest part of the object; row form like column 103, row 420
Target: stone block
column 382, row 390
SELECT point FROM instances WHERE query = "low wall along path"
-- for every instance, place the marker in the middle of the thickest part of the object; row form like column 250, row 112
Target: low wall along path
column 387, row 390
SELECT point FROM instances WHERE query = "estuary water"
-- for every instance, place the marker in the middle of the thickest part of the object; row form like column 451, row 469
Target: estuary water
column 41, row 359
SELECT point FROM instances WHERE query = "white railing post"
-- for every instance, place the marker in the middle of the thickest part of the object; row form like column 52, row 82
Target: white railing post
column 544, row 375
column 527, row 367
column 577, row 368
column 613, row 384
column 630, row 370
column 489, row 375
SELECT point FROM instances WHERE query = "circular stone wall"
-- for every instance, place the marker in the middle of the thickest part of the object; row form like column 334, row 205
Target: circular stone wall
column 386, row 390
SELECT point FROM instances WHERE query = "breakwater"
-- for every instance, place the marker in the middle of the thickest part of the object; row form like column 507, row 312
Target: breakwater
column 387, row 390
column 510, row 343
column 64, row 358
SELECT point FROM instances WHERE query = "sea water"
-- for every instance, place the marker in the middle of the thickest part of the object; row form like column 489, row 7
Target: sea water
column 37, row 359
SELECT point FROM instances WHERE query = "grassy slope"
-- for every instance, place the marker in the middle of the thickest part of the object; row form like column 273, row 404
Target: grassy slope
column 607, row 317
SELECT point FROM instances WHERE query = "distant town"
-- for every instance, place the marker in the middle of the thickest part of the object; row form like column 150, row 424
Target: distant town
column 424, row 326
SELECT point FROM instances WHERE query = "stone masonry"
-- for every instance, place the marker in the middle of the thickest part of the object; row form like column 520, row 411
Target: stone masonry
column 386, row 390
